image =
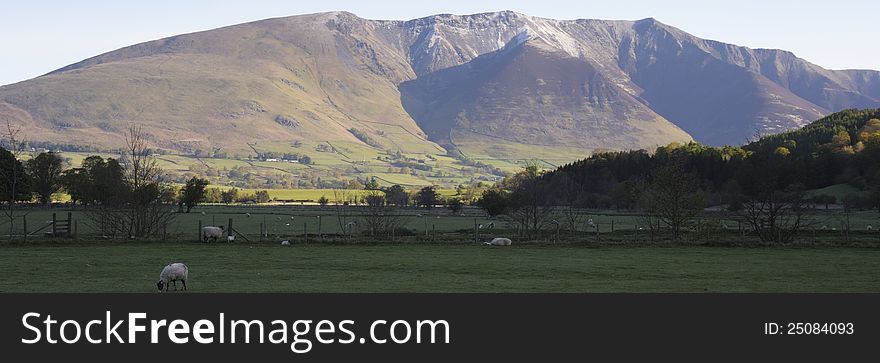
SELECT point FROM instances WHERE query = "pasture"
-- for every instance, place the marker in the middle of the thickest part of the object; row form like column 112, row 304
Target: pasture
column 308, row 223
column 134, row 267
column 435, row 251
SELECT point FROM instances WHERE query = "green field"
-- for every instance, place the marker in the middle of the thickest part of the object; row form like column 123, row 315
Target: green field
column 134, row 267
column 312, row 195
column 347, row 161
column 291, row 220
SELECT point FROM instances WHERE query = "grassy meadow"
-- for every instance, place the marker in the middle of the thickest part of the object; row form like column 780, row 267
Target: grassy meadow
column 134, row 267
column 619, row 258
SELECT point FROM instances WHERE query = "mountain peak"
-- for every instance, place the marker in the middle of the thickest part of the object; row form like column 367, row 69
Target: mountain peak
column 316, row 76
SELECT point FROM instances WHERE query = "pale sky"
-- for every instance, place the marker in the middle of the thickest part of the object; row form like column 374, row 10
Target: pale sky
column 41, row 36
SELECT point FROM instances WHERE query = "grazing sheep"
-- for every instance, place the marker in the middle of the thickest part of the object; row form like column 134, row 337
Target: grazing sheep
column 285, row 243
column 171, row 274
column 211, row 232
column 498, row 242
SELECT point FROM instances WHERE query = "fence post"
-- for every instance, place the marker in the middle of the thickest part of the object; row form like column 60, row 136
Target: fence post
column 321, row 236
column 261, row 231
column 433, row 232
column 476, row 238
column 24, row 225
column 612, row 225
column 54, row 228
column 709, row 227
column 229, row 230
column 305, row 233
column 557, row 232
column 69, row 223
column 76, row 229
column 200, row 230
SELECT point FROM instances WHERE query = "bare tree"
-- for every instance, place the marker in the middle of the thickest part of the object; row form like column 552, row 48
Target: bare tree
column 568, row 193
column 845, row 216
column 649, row 222
column 672, row 198
column 141, row 211
column 776, row 216
column 379, row 217
column 531, row 202
column 145, row 178
column 343, row 209
column 13, row 174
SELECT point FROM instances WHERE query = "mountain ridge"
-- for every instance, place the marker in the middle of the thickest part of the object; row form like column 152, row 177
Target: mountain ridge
column 313, row 77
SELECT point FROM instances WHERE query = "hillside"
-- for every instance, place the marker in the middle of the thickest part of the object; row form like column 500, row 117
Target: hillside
column 493, row 88
column 807, row 140
column 838, row 156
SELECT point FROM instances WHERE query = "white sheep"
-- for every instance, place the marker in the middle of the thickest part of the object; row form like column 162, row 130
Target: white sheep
column 171, row 274
column 285, row 243
column 498, row 242
column 211, row 232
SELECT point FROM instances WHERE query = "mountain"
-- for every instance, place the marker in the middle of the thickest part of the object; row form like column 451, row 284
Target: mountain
column 533, row 93
column 499, row 86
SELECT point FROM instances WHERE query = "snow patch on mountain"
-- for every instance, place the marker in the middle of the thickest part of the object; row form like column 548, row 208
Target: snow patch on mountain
column 549, row 30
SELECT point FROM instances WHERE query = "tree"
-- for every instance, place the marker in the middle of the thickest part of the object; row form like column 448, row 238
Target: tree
column 128, row 194
column 45, row 173
column 672, row 197
column 782, row 151
column 323, row 200
column 531, row 204
column 97, row 181
column 193, row 193
column 454, row 205
column 262, row 196
column 379, row 217
column 494, row 201
column 626, row 194
column 569, row 195
column 15, row 183
column 371, row 184
column 107, row 182
column 427, row 197
column 776, row 216
column 213, row 195
column 396, row 195
column 229, row 195
column 77, row 184
column 341, row 205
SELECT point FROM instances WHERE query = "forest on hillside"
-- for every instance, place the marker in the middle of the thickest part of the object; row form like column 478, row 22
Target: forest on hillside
column 769, row 183
column 843, row 148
